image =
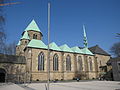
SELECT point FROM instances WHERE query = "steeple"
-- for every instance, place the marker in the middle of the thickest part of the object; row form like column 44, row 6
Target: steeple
column 33, row 26
column 33, row 31
column 85, row 38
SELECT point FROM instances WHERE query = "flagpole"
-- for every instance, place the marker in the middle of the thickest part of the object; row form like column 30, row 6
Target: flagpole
column 48, row 60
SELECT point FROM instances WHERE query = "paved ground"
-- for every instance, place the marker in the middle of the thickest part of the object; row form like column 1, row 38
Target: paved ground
column 10, row 86
column 85, row 85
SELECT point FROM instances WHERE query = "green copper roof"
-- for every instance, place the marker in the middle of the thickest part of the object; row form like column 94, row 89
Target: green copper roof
column 53, row 46
column 33, row 26
column 19, row 43
column 85, row 38
column 25, row 36
column 87, row 51
column 76, row 49
column 65, row 48
column 37, row 44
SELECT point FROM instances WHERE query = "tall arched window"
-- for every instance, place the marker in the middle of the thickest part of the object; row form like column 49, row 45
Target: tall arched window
column 41, row 61
column 55, row 62
column 68, row 63
column 90, row 64
column 79, row 63
column 34, row 36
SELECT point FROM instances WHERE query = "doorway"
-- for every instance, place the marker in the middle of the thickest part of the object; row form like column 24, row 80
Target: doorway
column 2, row 75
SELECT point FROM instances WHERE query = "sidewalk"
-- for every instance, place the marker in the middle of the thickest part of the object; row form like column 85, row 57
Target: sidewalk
column 10, row 87
column 88, row 85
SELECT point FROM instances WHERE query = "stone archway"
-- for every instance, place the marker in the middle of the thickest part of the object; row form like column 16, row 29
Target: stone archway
column 2, row 75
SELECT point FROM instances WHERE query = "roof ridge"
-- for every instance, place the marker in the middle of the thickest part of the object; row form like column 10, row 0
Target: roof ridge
column 54, row 46
column 76, row 49
column 66, row 48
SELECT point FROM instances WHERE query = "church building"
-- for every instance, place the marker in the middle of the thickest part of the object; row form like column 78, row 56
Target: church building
column 66, row 63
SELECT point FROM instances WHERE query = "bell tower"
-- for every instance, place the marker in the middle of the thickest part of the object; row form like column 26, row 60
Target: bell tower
column 34, row 31
column 31, row 32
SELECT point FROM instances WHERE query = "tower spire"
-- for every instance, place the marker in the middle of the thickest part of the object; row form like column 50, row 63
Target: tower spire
column 85, row 38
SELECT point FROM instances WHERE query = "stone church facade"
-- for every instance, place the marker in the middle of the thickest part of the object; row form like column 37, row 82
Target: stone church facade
column 65, row 63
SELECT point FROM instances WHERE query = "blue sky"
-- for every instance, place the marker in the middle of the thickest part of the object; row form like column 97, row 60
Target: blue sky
column 101, row 18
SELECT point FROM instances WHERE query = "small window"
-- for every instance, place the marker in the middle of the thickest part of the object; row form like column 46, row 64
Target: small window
column 25, row 42
column 100, row 63
column 34, row 36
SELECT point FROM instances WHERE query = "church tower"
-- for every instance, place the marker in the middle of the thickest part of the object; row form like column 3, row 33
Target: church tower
column 31, row 32
column 85, row 38
column 85, row 50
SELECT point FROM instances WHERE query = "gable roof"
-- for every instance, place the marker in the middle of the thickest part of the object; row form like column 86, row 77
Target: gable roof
column 76, row 49
column 34, row 43
column 97, row 50
column 87, row 51
column 33, row 26
column 65, row 48
column 25, row 35
column 53, row 46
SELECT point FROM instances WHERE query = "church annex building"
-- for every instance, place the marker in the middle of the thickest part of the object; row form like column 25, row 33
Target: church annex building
column 66, row 63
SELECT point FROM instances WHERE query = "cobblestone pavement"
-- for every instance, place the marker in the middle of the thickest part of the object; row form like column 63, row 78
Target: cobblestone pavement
column 86, row 85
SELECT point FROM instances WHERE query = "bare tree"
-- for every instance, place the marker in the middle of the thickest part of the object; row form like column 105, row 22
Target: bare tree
column 118, row 35
column 115, row 49
column 2, row 32
column 5, row 49
column 10, row 49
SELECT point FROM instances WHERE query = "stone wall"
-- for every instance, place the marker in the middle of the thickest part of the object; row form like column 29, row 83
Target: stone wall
column 14, row 72
column 101, row 62
column 32, row 65
column 29, row 71
column 39, row 34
